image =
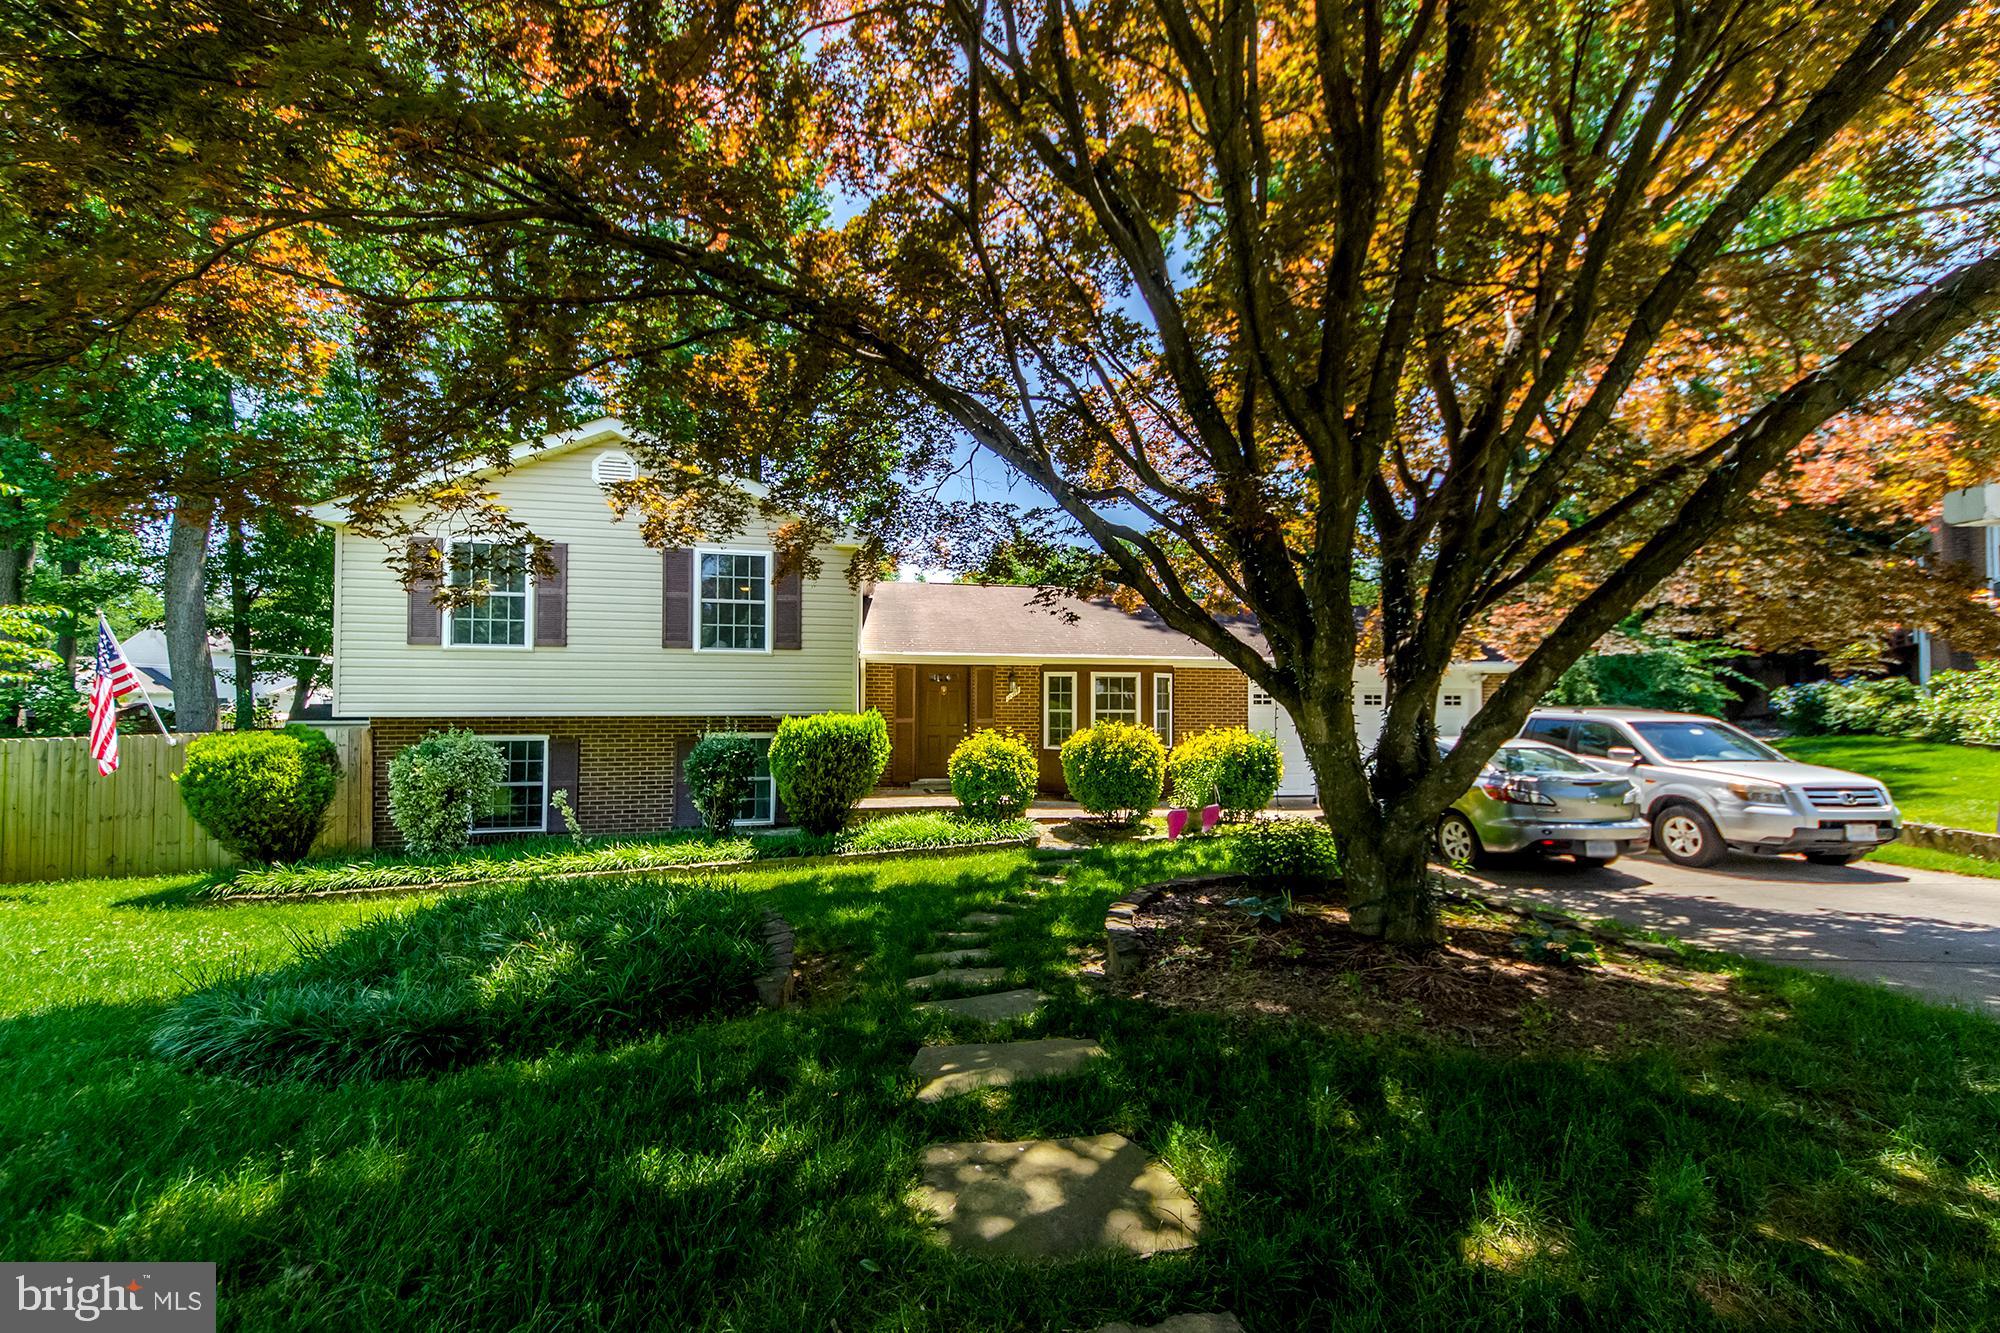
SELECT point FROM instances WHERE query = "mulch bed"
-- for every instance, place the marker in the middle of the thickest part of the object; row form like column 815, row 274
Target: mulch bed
column 1475, row 990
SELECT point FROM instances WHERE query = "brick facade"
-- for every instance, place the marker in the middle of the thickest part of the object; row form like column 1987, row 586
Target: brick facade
column 625, row 765
column 1204, row 698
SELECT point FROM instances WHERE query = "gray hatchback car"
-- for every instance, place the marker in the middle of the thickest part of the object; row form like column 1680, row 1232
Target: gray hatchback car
column 1533, row 797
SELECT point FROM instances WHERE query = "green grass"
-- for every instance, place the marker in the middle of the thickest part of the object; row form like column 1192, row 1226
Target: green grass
column 1836, row 1165
column 512, row 969
column 1933, row 783
column 551, row 856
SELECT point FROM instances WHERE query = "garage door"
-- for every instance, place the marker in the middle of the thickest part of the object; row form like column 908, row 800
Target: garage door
column 1267, row 717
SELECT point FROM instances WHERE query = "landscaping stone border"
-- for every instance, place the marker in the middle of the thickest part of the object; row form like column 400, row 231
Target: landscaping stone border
column 685, row 867
column 1121, row 939
column 776, row 986
column 1962, row 841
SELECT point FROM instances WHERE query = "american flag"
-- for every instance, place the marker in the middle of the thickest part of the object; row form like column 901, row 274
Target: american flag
column 115, row 679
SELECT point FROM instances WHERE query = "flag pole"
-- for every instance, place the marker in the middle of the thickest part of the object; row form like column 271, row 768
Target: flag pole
column 144, row 693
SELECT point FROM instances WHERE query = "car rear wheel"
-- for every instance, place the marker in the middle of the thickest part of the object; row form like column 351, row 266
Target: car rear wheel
column 1458, row 841
column 1687, row 837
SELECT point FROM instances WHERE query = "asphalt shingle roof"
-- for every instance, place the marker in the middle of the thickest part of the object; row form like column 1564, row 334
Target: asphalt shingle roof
column 945, row 619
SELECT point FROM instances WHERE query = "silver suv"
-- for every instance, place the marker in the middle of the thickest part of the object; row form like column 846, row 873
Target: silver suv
column 1709, row 788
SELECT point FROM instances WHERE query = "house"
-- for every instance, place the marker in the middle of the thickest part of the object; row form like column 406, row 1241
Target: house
column 1967, row 533
column 597, row 679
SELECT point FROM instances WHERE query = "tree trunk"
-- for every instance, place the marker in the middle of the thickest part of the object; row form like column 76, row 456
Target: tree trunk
column 16, row 563
column 185, row 596
column 1389, row 893
column 302, row 689
column 236, row 562
column 69, row 567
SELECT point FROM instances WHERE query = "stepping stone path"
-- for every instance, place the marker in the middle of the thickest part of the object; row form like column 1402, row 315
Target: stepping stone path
column 1180, row 1323
column 1049, row 1198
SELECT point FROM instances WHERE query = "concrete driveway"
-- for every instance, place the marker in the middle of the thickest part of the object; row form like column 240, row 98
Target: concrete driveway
column 1926, row 931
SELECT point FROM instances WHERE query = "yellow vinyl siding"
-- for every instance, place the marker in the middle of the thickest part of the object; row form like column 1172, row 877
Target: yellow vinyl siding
column 613, row 664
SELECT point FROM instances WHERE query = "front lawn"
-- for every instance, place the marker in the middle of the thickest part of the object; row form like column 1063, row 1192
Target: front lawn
column 1933, row 783
column 1828, row 1162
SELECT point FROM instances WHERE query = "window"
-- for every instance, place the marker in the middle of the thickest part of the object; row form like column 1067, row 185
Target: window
column 1260, row 697
column 733, row 606
column 1371, row 698
column 1704, row 743
column 497, row 617
column 522, row 800
column 1058, row 708
column 1597, row 738
column 1114, row 699
column 1163, row 706
column 761, row 805
column 1451, row 701
column 1550, row 730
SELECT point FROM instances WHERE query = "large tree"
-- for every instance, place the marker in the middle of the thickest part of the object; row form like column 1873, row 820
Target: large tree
column 1480, row 300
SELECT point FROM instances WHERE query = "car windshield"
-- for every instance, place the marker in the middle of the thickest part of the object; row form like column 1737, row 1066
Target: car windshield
column 1533, row 759
column 1702, row 742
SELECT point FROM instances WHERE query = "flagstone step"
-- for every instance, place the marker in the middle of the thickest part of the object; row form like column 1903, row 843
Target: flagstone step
column 958, row 976
column 995, row 1007
column 1180, row 1323
column 1057, row 1198
column 955, row 957
column 946, row 1070
column 963, row 937
column 983, row 919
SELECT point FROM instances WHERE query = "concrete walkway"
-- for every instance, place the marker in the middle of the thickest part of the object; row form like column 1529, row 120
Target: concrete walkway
column 1929, row 932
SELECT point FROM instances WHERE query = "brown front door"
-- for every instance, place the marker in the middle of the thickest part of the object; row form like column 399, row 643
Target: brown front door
column 942, row 719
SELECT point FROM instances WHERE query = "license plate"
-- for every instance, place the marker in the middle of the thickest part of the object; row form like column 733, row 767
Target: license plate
column 1863, row 833
column 1600, row 849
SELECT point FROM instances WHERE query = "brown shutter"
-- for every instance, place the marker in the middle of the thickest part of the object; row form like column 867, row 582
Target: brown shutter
column 787, row 611
column 685, row 815
column 677, row 605
column 982, row 698
column 561, row 777
column 425, row 618
column 552, row 599
column 903, row 726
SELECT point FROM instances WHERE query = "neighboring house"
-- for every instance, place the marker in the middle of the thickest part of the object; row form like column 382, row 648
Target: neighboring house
column 1967, row 533
column 598, row 680
column 147, row 651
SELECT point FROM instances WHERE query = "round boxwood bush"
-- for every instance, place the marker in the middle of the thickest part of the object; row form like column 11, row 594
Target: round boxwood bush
column 992, row 775
column 438, row 785
column 823, row 764
column 1115, row 770
column 718, row 772
column 1290, row 852
column 261, row 794
column 1235, row 768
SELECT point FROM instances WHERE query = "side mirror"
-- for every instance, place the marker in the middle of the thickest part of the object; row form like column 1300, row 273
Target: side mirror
column 1623, row 754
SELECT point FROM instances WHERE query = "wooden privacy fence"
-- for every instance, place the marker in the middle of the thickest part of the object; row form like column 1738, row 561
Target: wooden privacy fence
column 60, row 820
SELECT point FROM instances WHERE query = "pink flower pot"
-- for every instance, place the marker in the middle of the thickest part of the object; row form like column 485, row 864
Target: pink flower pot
column 1177, row 821
column 1211, row 815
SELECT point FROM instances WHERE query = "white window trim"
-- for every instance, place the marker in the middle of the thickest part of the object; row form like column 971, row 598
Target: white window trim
column 1166, row 733
column 1139, row 709
column 527, row 611
column 1075, row 707
column 543, row 805
column 754, row 736
column 770, row 596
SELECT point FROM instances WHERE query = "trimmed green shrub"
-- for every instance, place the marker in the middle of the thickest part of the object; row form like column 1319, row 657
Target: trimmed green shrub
column 439, row 785
column 1963, row 706
column 1232, row 767
column 823, row 764
column 1955, row 706
column 1288, row 851
column 1115, row 770
column 718, row 774
column 261, row 794
column 513, row 970
column 992, row 774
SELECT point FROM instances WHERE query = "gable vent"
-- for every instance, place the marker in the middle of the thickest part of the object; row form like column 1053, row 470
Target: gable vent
column 612, row 466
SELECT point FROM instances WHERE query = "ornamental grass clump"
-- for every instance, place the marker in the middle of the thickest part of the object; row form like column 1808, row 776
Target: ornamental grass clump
column 261, row 794
column 825, row 763
column 510, row 970
column 438, row 786
column 992, row 775
column 1115, row 770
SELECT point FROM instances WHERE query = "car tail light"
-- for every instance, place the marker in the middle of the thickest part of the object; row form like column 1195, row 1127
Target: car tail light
column 1514, row 791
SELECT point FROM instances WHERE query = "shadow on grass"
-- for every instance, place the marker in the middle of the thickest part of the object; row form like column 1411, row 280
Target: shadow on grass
column 1834, row 1170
